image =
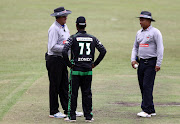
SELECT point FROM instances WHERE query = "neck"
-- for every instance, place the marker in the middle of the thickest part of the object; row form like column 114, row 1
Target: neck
column 146, row 27
column 81, row 30
column 59, row 22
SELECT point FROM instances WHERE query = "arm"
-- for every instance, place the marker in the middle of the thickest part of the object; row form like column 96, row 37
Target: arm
column 53, row 39
column 160, row 49
column 102, row 51
column 134, row 53
column 67, row 46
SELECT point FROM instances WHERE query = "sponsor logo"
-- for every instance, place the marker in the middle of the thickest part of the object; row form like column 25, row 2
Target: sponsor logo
column 84, row 59
column 64, row 41
column 84, row 39
column 143, row 45
column 147, row 38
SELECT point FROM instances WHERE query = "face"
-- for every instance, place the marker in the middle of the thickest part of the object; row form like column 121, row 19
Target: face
column 145, row 23
column 62, row 20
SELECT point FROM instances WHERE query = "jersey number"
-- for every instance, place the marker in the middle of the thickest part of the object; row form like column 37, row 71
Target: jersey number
column 82, row 48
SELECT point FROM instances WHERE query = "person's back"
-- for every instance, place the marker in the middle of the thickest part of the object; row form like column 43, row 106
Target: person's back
column 83, row 50
column 82, row 47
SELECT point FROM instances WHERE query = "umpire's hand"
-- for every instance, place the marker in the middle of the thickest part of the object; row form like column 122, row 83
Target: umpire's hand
column 157, row 68
column 133, row 63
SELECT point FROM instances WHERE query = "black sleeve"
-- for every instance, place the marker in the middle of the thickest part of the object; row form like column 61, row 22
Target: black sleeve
column 67, row 46
column 102, row 51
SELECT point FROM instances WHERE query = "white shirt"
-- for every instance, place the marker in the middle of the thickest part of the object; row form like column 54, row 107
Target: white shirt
column 148, row 44
column 57, row 36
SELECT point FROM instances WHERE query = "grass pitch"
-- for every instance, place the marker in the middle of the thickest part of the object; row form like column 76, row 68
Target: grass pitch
column 116, row 96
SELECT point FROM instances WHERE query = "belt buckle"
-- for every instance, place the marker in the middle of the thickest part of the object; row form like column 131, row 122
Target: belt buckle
column 146, row 61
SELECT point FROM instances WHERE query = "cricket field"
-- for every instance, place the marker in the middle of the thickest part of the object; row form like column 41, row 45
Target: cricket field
column 24, row 84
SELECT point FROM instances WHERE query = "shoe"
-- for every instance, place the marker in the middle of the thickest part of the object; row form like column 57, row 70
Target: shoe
column 79, row 114
column 89, row 121
column 144, row 114
column 58, row 115
column 153, row 114
column 68, row 120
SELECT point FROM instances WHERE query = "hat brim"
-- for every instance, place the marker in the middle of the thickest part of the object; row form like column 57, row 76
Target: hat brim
column 146, row 18
column 63, row 13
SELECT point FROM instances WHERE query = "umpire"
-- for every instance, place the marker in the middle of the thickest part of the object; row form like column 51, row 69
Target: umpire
column 82, row 47
column 148, row 46
column 58, row 33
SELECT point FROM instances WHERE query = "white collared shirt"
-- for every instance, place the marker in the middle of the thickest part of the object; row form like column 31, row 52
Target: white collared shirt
column 57, row 36
column 148, row 44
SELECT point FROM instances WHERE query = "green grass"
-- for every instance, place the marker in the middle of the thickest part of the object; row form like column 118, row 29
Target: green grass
column 23, row 76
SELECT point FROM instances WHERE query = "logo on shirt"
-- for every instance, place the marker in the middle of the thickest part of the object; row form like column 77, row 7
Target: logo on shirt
column 147, row 38
column 84, row 39
column 64, row 41
column 143, row 45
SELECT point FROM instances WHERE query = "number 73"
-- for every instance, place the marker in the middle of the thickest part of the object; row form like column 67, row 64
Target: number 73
column 82, row 48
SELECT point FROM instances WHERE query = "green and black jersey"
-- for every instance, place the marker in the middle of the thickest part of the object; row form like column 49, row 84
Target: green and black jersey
column 82, row 47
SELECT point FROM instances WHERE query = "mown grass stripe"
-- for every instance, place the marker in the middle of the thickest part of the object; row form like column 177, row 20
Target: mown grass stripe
column 13, row 97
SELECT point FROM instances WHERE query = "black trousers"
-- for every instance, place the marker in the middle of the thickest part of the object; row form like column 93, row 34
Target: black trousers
column 146, row 77
column 58, row 86
column 85, row 83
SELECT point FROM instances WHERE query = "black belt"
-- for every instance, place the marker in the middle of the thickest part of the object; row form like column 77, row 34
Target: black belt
column 47, row 57
column 153, row 58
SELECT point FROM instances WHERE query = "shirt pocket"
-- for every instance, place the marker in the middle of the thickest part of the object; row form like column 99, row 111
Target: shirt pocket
column 139, row 38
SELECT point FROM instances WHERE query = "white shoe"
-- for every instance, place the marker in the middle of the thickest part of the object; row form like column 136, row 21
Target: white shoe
column 153, row 114
column 89, row 121
column 58, row 115
column 68, row 120
column 79, row 114
column 144, row 114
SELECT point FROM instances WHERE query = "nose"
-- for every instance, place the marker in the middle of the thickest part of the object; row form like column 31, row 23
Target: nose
column 140, row 22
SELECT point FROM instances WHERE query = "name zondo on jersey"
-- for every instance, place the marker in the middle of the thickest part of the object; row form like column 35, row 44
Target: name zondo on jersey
column 84, row 59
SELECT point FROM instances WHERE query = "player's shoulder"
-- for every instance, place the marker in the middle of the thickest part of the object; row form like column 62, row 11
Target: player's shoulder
column 90, row 35
column 139, row 31
column 155, row 31
column 53, row 27
column 73, row 37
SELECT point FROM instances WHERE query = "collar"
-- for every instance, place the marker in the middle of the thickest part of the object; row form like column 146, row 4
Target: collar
column 61, row 26
column 83, row 32
column 146, row 29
